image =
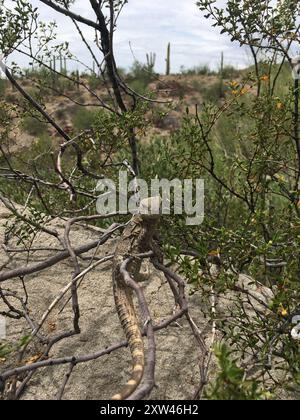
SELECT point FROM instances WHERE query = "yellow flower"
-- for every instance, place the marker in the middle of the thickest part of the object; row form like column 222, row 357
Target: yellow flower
column 214, row 253
column 292, row 35
column 282, row 311
column 265, row 78
column 280, row 178
column 244, row 90
column 233, row 83
column 279, row 105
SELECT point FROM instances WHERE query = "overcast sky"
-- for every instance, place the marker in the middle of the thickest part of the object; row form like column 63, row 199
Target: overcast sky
column 149, row 25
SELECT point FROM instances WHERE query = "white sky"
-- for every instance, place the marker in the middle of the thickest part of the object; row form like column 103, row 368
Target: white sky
column 149, row 25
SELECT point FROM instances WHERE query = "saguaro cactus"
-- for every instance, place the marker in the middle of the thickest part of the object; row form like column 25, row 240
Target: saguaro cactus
column 168, row 60
column 77, row 79
column 65, row 65
column 221, row 75
column 151, row 59
column 53, row 73
column 61, row 63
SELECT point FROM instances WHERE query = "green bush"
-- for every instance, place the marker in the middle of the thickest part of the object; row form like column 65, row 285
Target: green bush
column 232, row 382
column 95, row 82
column 43, row 144
column 212, row 92
column 33, row 126
column 140, row 76
column 202, row 70
column 60, row 113
column 230, row 72
column 138, row 86
column 2, row 87
column 83, row 119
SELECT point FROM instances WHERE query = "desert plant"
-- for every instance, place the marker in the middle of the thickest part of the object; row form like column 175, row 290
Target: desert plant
column 212, row 92
column 140, row 76
column 151, row 59
column 168, row 60
column 201, row 70
column 83, row 119
column 2, row 87
column 221, row 76
column 34, row 126
column 95, row 82
column 232, row 382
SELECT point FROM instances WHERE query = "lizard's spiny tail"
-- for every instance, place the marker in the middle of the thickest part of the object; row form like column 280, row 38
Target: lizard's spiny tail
column 133, row 335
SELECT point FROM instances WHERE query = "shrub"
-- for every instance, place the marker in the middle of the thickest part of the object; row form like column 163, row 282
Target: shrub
column 202, row 70
column 211, row 93
column 83, row 118
column 60, row 113
column 230, row 72
column 10, row 97
column 2, row 87
column 33, row 126
column 232, row 382
column 140, row 76
column 43, row 144
column 95, row 82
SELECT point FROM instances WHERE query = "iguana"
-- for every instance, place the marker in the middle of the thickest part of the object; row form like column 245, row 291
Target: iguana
column 136, row 238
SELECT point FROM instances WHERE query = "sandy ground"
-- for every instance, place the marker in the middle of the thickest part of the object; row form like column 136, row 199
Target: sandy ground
column 177, row 372
column 177, row 369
